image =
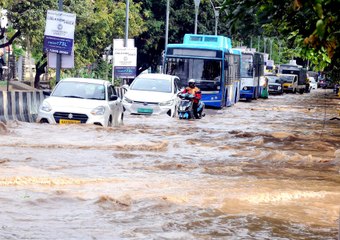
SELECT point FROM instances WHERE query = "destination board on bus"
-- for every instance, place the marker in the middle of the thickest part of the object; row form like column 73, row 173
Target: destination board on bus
column 193, row 52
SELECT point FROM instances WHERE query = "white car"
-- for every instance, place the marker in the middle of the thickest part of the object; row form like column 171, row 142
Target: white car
column 152, row 93
column 82, row 100
column 313, row 84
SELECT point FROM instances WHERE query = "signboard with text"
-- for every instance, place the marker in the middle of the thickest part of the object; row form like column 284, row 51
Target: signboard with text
column 125, row 72
column 59, row 32
column 125, row 62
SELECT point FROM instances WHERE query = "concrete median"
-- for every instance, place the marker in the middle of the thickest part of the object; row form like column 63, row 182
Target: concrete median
column 20, row 105
column 24, row 105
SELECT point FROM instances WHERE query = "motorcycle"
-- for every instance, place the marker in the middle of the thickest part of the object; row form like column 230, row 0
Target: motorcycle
column 185, row 107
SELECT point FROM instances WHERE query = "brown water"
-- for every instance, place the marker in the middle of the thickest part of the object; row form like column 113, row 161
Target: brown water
column 269, row 169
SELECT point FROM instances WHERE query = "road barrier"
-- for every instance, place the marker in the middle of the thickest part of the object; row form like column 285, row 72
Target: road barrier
column 24, row 105
column 20, row 105
column 120, row 91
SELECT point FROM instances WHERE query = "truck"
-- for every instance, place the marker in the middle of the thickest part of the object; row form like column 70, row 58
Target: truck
column 297, row 70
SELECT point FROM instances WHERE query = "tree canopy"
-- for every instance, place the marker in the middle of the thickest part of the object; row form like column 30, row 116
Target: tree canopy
column 310, row 27
column 307, row 29
column 97, row 24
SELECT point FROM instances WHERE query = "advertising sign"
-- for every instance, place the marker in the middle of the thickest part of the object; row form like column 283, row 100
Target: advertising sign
column 125, row 62
column 119, row 43
column 67, row 61
column 125, row 57
column 59, row 32
column 125, row 72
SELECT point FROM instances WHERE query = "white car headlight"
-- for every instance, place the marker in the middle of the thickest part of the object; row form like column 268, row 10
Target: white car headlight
column 125, row 99
column 278, row 88
column 46, row 107
column 98, row 110
column 167, row 103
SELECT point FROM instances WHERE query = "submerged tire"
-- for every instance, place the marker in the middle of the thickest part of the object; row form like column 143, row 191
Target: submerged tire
column 109, row 122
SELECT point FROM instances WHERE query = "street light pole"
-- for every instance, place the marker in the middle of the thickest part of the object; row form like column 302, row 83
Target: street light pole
column 217, row 14
column 264, row 44
column 58, row 64
column 279, row 41
column 126, row 23
column 197, row 5
column 167, row 23
column 271, row 48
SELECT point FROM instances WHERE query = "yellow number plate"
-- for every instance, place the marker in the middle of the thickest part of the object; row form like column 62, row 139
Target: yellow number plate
column 67, row 121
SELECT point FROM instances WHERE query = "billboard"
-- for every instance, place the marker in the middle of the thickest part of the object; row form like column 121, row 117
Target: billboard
column 59, row 32
column 124, row 59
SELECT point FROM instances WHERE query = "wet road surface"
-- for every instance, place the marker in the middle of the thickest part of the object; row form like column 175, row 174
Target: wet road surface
column 269, row 169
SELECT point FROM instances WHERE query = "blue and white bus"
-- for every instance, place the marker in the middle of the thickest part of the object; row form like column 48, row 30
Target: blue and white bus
column 210, row 60
column 252, row 74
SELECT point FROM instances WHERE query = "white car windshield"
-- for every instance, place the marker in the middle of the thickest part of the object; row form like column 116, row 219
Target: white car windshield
column 273, row 79
column 150, row 84
column 80, row 90
column 287, row 79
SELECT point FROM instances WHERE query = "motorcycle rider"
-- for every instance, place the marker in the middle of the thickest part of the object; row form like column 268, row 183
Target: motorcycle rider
column 196, row 92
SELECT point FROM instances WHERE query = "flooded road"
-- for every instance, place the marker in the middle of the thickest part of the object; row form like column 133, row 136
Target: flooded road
column 269, row 169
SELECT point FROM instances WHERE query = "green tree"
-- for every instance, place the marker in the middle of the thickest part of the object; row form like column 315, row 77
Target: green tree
column 98, row 23
column 310, row 27
column 151, row 42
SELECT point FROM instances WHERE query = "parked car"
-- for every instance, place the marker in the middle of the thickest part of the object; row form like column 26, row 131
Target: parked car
column 82, row 100
column 289, row 82
column 327, row 83
column 274, row 84
column 321, row 82
column 312, row 83
column 152, row 93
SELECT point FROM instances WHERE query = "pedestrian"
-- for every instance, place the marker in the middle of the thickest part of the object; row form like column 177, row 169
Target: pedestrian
column 2, row 63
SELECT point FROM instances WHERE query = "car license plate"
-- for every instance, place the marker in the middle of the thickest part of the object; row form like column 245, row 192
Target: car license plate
column 67, row 121
column 145, row 110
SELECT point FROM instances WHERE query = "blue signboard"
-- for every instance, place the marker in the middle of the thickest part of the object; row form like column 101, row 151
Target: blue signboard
column 58, row 45
column 59, row 32
column 125, row 72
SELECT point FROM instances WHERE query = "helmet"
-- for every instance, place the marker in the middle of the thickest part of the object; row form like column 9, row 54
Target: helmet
column 192, row 83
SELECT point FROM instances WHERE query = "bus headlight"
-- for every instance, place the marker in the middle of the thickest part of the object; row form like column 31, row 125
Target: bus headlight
column 245, row 88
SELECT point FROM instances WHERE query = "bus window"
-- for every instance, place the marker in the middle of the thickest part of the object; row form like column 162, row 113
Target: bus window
column 247, row 66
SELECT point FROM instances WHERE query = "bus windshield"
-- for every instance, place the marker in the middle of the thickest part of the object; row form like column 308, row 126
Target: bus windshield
column 206, row 72
column 247, row 66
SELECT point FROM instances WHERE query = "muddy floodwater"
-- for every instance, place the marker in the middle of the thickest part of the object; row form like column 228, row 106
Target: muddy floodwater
column 269, row 169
